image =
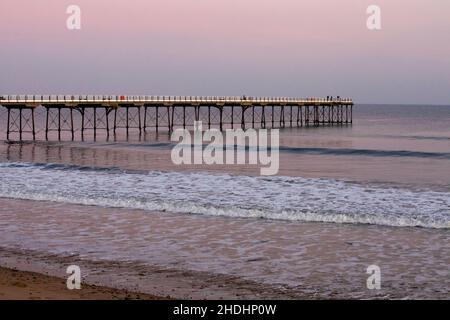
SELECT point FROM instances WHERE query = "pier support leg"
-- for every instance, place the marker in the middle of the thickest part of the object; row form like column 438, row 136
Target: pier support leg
column 306, row 115
column 263, row 117
column 346, row 114
column 95, row 123
column 172, row 122
column 332, row 114
column 323, row 114
column 115, row 120
column 273, row 116
column 8, row 125
column 82, row 123
column 107, row 112
column 302, row 116
column 197, row 113
column 20, row 124
column 128, row 119
column 59, row 123
column 157, row 118
column 46, row 122
column 253, row 117
column 32, row 124
column 316, row 115
column 339, row 114
column 169, row 121
column 329, row 114
column 145, row 119
column 139, row 119
column 71, row 124
column 351, row 113
column 290, row 117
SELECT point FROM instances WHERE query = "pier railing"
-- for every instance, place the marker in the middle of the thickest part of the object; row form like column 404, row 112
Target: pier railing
column 144, row 99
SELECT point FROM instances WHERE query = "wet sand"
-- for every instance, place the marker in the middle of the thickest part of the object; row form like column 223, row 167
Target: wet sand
column 121, row 280
column 23, row 285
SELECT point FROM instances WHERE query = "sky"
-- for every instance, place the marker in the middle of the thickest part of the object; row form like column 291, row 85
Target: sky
column 296, row 48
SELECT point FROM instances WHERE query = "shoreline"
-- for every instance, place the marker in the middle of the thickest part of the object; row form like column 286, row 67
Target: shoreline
column 44, row 273
column 25, row 285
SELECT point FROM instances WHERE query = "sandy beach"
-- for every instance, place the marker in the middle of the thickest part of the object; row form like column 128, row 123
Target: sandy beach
column 113, row 280
column 23, row 285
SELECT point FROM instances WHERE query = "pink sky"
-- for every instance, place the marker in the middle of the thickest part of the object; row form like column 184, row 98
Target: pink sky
column 229, row 47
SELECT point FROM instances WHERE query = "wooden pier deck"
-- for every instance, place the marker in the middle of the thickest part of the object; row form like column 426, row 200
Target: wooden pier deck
column 74, row 114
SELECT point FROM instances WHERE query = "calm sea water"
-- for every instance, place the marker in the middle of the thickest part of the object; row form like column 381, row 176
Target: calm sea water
column 384, row 178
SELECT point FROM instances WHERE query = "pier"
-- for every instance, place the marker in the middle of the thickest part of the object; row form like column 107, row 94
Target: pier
column 79, row 114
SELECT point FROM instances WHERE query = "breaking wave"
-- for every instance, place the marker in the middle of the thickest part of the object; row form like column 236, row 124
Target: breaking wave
column 279, row 198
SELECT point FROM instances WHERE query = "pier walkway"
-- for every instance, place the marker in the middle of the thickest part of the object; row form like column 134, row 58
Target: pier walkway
column 74, row 114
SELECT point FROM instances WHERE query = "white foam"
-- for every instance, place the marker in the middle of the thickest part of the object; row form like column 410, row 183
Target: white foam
column 282, row 198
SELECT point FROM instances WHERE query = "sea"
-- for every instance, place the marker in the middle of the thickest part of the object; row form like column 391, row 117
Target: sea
column 346, row 198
